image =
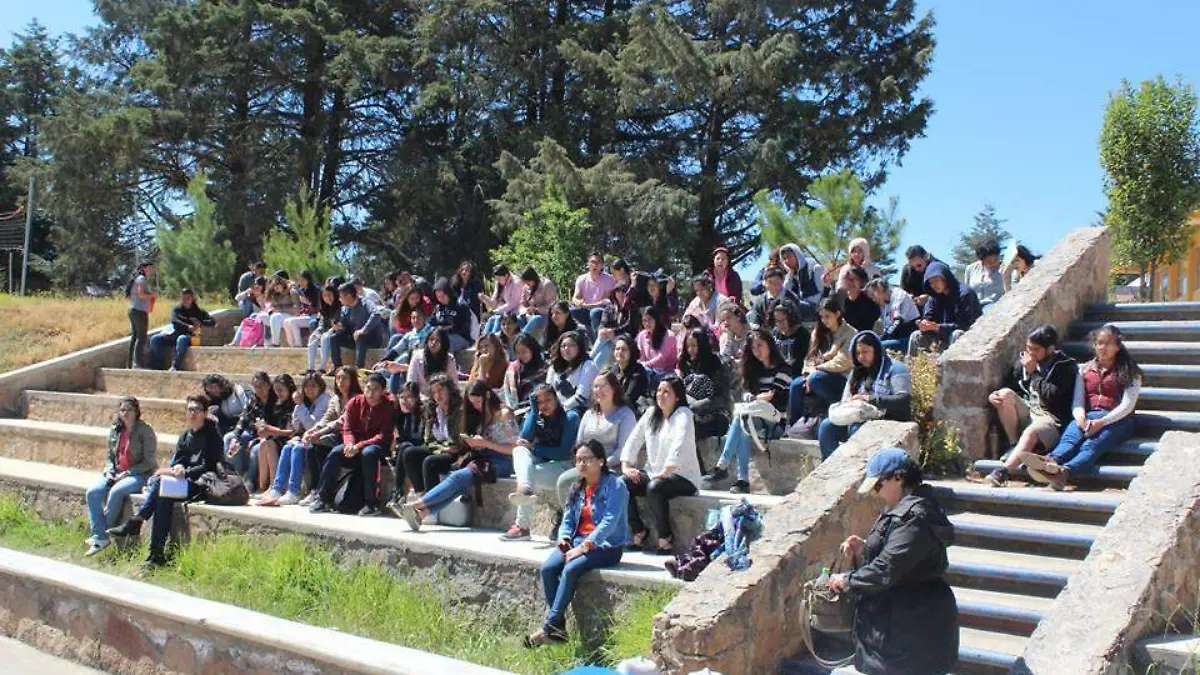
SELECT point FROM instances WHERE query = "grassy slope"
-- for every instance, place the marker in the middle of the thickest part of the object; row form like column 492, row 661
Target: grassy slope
column 297, row 580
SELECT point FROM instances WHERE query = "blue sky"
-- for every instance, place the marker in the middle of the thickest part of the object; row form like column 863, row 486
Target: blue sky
column 1019, row 87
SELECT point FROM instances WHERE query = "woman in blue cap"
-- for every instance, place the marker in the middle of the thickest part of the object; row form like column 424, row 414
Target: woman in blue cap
column 907, row 621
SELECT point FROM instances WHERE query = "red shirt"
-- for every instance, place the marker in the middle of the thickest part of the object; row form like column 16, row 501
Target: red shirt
column 124, row 458
column 585, row 514
column 367, row 425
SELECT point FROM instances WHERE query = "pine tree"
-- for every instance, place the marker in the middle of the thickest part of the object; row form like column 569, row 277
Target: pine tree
column 988, row 227
column 195, row 254
column 306, row 243
column 553, row 238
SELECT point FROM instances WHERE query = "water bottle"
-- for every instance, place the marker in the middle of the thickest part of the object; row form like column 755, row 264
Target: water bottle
column 823, row 580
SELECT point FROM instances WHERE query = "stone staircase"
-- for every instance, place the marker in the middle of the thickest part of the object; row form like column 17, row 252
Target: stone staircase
column 1017, row 546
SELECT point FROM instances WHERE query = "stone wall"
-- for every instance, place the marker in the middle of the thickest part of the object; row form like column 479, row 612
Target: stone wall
column 748, row 621
column 1140, row 578
column 1071, row 276
column 77, row 371
column 124, row 626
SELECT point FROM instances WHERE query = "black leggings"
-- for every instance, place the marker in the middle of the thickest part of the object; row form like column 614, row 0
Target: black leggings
column 399, row 471
column 658, row 492
column 426, row 467
column 139, row 324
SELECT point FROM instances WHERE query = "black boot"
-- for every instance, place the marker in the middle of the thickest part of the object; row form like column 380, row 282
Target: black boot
column 130, row 528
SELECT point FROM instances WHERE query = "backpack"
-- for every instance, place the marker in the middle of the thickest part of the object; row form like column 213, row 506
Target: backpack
column 348, row 498
column 253, row 332
column 223, row 487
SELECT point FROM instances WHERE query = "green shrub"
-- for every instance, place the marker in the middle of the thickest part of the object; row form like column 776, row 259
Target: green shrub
column 196, row 254
column 306, row 243
column 940, row 449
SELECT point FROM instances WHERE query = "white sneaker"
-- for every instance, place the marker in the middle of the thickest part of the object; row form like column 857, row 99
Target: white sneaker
column 308, row 501
column 289, row 499
column 97, row 546
column 522, row 498
column 268, row 496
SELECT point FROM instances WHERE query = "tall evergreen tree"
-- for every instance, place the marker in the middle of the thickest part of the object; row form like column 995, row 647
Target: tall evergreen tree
column 987, row 227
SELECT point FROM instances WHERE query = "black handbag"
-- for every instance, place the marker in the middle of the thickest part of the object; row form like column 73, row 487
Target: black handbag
column 223, row 487
column 829, row 612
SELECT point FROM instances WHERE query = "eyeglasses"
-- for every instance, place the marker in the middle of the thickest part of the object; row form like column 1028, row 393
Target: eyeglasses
column 586, row 460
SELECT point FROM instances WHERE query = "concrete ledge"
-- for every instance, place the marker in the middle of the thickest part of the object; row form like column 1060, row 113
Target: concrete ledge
column 99, row 410
column 121, row 624
column 77, row 371
column 747, row 621
column 1140, row 578
column 471, row 565
column 277, row 360
column 81, row 447
column 157, row 383
column 1170, row 654
column 1060, row 287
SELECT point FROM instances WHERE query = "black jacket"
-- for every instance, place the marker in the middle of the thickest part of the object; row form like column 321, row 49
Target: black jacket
column 907, row 620
column 912, row 281
column 199, row 452
column 454, row 317
column 862, row 312
column 182, row 317
column 763, row 306
column 636, row 385
column 1052, row 384
column 956, row 309
column 793, row 348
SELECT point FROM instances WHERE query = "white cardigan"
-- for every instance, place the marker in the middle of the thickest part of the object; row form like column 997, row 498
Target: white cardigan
column 674, row 443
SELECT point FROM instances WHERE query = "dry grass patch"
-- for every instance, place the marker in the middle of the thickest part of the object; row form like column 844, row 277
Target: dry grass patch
column 41, row 327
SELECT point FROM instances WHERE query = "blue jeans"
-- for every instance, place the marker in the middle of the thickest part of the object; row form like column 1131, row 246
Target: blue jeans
column 291, row 468
column 393, row 341
column 534, row 325
column 560, row 577
column 395, row 381
column 738, row 445
column 831, row 436
column 105, row 502
column 159, row 343
column 237, row 451
column 334, row 342
column 895, row 345
column 602, row 353
column 460, row 482
column 492, row 325
column 247, row 307
column 827, row 387
column 589, row 318
column 1079, row 454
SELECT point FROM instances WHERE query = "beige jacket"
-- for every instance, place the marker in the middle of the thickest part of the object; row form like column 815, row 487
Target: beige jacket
column 837, row 358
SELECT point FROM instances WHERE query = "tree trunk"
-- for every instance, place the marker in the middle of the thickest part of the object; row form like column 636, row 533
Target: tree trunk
column 1155, row 294
column 333, row 148
column 313, row 95
column 709, row 197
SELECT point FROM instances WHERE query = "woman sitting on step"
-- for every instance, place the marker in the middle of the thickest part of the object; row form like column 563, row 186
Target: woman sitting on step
column 226, row 401
column 592, row 535
column 668, row 433
column 1106, row 394
column 489, row 433
column 237, row 441
column 609, row 420
column 273, row 430
column 443, row 425
column 311, row 403
column 327, row 434
column 877, row 379
column 435, row 359
column 197, row 452
column 132, row 446
column 186, row 320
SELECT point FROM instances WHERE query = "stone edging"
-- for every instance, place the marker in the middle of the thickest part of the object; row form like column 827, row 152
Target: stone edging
column 121, row 620
column 747, row 621
column 1071, row 276
column 1140, row 577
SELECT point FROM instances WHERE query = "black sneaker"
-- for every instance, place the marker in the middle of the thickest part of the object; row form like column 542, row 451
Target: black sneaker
column 999, row 477
column 153, row 562
column 740, row 487
column 130, row 528
column 370, row 511
column 320, row 506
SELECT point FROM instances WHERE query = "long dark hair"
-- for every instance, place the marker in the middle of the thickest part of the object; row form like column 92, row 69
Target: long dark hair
column 477, row 421
column 752, row 369
column 635, row 354
column 609, row 375
column 594, row 446
column 553, row 332
column 562, row 365
column 453, row 415
column 676, row 384
column 1126, row 369
column 413, row 389
column 222, row 383
column 288, row 383
column 861, row 373
column 822, row 336
column 355, row 386
column 660, row 328
column 132, row 402
column 537, row 360
column 1025, row 254
column 436, row 363
column 312, row 292
column 141, row 270
column 330, row 309
column 315, row 378
column 406, row 307
column 706, row 362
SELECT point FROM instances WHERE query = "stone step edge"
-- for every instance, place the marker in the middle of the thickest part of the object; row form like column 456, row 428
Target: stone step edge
column 335, row 526
column 337, row 649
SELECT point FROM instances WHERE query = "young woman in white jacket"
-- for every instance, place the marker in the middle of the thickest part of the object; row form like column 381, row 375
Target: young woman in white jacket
column 670, row 469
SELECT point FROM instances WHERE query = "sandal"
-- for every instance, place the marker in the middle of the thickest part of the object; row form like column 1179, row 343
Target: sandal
column 536, row 639
column 669, row 549
column 639, row 540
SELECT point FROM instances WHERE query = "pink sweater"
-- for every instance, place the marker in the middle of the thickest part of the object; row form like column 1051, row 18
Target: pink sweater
column 663, row 359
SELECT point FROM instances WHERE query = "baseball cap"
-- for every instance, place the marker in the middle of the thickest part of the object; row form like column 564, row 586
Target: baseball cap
column 885, row 462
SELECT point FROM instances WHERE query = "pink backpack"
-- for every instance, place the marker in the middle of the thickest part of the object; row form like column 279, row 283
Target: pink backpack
column 253, row 332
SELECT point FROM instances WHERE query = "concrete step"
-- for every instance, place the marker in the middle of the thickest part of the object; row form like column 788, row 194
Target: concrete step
column 1156, row 422
column 277, row 360
column 1170, row 398
column 67, row 445
column 1164, row 352
column 99, row 410
column 1024, row 535
column 1024, row 502
column 1144, row 311
column 86, row 447
column 1009, row 572
column 1134, row 451
column 1141, row 330
column 982, row 652
column 1106, row 474
column 1168, row 375
column 1169, row 654
column 1001, row 612
column 790, row 461
column 157, row 383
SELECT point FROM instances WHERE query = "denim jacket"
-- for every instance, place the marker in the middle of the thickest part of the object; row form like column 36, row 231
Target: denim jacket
column 609, row 506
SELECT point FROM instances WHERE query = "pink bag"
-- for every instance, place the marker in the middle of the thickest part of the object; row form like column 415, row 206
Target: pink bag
column 253, row 332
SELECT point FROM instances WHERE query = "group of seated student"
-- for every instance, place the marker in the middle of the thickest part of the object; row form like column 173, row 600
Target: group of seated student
column 1061, row 417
